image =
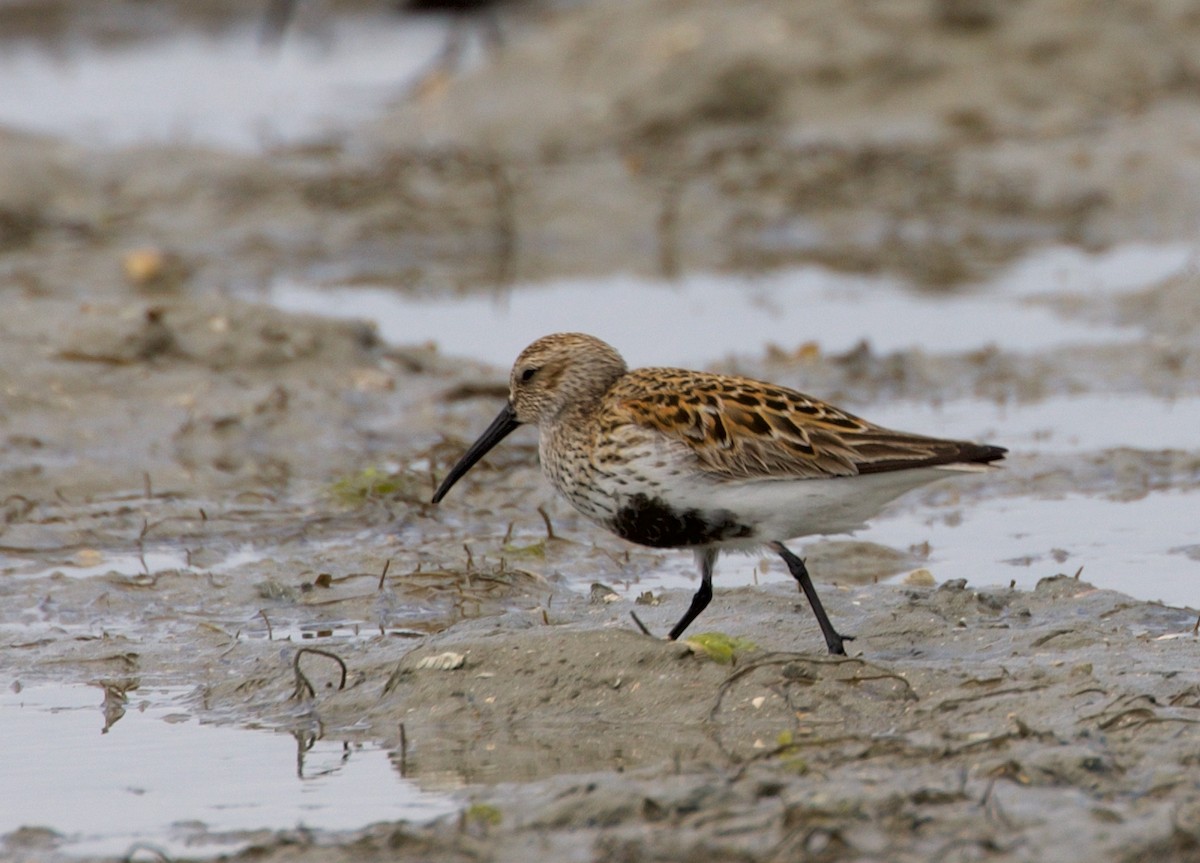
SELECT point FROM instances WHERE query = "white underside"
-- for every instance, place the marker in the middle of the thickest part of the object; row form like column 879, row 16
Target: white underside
column 786, row 509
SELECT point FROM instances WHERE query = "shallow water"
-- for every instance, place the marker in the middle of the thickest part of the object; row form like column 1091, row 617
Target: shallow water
column 97, row 563
column 717, row 315
column 90, row 563
column 224, row 91
column 158, row 776
column 1137, row 547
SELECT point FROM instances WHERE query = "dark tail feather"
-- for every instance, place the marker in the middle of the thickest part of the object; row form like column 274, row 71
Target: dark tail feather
column 936, row 452
column 980, row 453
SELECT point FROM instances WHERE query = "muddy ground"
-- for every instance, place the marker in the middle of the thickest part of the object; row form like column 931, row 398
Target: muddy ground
column 150, row 410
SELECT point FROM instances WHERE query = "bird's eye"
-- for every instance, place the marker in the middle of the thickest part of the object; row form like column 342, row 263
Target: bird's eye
column 528, row 374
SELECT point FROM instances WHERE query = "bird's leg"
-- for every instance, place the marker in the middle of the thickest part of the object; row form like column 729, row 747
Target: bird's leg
column 706, row 558
column 800, row 573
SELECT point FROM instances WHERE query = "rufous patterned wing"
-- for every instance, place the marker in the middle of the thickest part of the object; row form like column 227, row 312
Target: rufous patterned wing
column 738, row 428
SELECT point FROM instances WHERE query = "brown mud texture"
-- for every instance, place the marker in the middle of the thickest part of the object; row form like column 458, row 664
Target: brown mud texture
column 238, row 479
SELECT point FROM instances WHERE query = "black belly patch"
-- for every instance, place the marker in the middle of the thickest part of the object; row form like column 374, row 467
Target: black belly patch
column 649, row 521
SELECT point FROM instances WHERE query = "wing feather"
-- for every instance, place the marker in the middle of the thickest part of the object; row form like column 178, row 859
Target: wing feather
column 737, row 428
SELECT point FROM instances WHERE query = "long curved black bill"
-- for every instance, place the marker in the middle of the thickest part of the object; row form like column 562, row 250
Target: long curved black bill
column 500, row 428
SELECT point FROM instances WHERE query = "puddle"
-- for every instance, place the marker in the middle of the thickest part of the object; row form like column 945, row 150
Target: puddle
column 1057, row 425
column 91, row 563
column 326, row 632
column 221, row 90
column 721, row 315
column 1068, row 270
column 158, row 776
column 1130, row 546
column 1135, row 547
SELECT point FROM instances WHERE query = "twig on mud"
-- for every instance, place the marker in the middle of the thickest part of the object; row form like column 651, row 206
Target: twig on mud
column 991, row 804
column 337, row 600
column 1050, row 636
column 1196, row 628
column 788, row 658
column 302, row 682
column 403, row 751
column 985, row 846
column 810, row 843
column 541, row 510
column 387, row 565
column 789, row 748
column 249, row 495
column 1129, row 698
column 640, row 625
column 1126, row 720
column 143, row 579
column 952, row 703
column 262, row 612
column 785, row 659
column 617, row 559
column 26, row 504
column 158, row 853
column 1021, row 732
column 141, row 545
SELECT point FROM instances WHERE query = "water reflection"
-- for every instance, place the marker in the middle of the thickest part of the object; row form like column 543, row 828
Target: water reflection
column 159, row 776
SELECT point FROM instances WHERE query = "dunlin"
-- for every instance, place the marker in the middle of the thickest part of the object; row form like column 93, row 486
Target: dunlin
column 671, row 458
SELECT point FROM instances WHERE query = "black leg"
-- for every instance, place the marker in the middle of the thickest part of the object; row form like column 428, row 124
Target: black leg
column 706, row 558
column 800, row 573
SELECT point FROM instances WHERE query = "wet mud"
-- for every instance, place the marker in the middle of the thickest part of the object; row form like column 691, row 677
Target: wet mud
column 195, row 486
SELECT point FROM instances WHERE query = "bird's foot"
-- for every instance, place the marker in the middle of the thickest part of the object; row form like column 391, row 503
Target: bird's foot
column 837, row 643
